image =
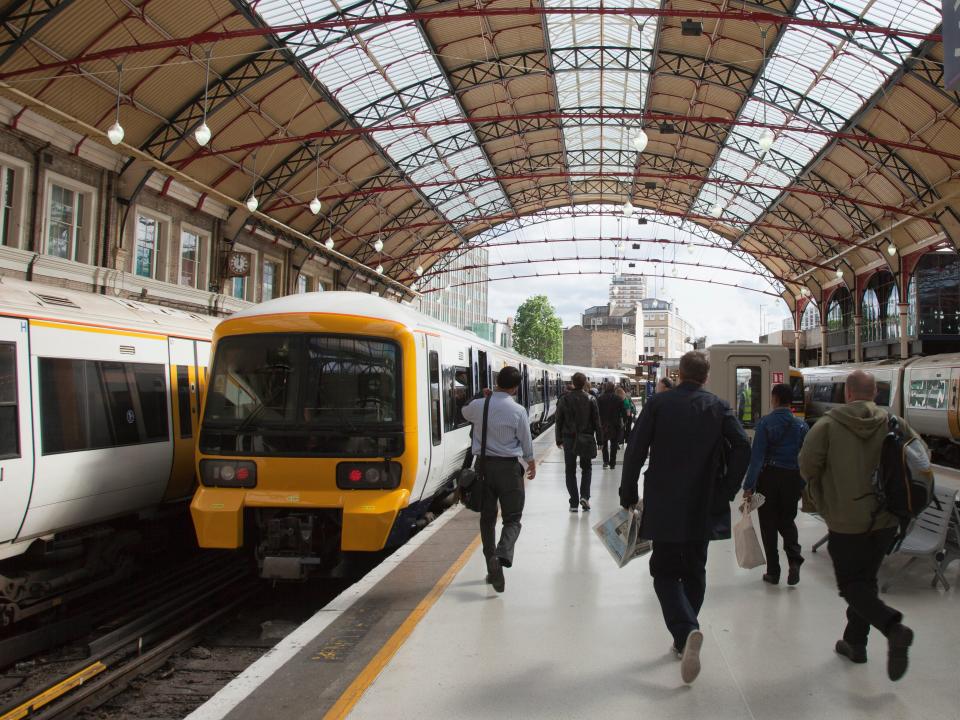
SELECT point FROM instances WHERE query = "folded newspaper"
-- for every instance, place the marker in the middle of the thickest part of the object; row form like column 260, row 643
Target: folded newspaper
column 619, row 533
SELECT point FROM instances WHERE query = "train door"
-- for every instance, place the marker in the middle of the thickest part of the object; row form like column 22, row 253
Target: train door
column 953, row 411
column 483, row 373
column 16, row 440
column 435, row 401
column 524, row 395
column 749, row 383
column 185, row 401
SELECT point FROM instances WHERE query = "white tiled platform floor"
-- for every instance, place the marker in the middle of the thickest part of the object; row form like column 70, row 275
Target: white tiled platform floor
column 575, row 637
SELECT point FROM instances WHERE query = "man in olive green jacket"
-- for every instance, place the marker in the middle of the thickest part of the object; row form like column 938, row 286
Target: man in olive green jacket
column 837, row 460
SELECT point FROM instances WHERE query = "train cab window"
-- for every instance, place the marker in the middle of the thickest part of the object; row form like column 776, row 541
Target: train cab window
column 435, row 429
column 183, row 401
column 92, row 404
column 459, row 391
column 749, row 395
column 929, row 394
column 9, row 413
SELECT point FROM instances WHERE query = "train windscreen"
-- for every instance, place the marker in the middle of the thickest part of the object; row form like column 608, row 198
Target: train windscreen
column 797, row 403
column 304, row 395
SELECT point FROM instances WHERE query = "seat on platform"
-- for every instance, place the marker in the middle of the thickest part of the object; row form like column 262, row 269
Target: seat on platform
column 927, row 538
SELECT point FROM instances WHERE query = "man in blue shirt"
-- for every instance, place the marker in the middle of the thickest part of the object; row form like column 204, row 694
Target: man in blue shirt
column 508, row 440
column 774, row 472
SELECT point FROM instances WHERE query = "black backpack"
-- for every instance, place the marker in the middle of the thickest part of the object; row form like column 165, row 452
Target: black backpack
column 903, row 479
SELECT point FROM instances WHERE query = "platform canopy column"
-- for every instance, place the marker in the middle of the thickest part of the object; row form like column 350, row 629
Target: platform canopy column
column 904, row 310
column 857, row 338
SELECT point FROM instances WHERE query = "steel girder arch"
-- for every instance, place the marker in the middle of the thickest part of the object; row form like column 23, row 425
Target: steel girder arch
column 879, row 151
column 769, row 274
column 305, row 155
column 22, row 19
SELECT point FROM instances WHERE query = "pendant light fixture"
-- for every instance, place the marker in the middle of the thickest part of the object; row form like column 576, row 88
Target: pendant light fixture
column 252, row 202
column 115, row 132
column 640, row 138
column 628, row 208
column 716, row 210
column 329, row 243
column 840, row 272
column 315, row 204
column 891, row 249
column 419, row 270
column 377, row 245
column 379, row 269
column 202, row 134
column 766, row 137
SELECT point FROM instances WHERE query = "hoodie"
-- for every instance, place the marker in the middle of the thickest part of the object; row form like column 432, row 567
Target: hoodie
column 837, row 460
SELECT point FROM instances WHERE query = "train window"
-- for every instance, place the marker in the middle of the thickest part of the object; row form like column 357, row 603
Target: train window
column 839, row 393
column 90, row 405
column 9, row 413
column 435, row 429
column 822, row 392
column 749, row 395
column 883, row 394
column 929, row 394
column 456, row 379
column 183, row 401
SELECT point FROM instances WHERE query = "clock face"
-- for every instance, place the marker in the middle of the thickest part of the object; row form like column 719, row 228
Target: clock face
column 238, row 263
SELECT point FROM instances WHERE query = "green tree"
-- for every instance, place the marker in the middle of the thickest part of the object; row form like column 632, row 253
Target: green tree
column 537, row 330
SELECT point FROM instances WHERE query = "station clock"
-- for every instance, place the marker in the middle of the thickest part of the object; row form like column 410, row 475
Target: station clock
column 238, row 264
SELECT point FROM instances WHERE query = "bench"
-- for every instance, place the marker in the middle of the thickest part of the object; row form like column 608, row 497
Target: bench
column 928, row 538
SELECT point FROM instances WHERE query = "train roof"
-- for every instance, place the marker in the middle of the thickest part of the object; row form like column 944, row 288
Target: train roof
column 24, row 299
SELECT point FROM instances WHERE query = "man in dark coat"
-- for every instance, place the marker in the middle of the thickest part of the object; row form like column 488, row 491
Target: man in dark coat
column 698, row 456
column 612, row 415
column 577, row 416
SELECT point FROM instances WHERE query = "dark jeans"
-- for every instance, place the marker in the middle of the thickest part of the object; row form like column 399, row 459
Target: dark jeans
column 610, row 447
column 856, row 561
column 570, row 457
column 503, row 484
column 781, row 490
column 679, row 573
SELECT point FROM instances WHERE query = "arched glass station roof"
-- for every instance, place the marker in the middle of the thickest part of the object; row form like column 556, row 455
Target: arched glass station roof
column 802, row 135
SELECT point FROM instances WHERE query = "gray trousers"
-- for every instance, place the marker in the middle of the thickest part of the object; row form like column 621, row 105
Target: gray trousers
column 504, row 484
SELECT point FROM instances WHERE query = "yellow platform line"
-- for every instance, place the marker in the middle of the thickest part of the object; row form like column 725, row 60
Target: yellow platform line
column 51, row 694
column 361, row 683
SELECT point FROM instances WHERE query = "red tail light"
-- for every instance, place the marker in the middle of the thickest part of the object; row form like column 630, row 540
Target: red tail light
column 382, row 475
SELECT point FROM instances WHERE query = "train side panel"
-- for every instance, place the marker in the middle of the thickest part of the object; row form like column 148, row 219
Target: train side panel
column 103, row 428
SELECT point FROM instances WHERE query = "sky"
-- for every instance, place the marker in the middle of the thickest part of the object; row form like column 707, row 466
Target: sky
column 721, row 313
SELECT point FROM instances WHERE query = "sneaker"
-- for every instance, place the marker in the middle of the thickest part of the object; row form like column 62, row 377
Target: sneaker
column 899, row 639
column 690, row 659
column 853, row 653
column 574, row 508
column 585, row 503
column 496, row 574
column 771, row 578
column 677, row 654
column 793, row 574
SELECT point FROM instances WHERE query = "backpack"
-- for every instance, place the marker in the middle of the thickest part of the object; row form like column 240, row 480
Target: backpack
column 903, row 479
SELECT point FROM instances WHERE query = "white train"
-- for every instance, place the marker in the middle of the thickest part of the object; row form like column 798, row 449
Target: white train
column 333, row 422
column 925, row 391
column 99, row 402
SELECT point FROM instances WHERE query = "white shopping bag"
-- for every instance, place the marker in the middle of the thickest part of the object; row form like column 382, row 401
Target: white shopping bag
column 619, row 534
column 745, row 541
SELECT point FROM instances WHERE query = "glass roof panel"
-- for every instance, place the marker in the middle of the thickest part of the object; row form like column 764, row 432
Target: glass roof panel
column 825, row 79
column 388, row 73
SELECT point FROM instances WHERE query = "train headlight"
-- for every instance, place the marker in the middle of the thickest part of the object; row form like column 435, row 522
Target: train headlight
column 228, row 473
column 368, row 475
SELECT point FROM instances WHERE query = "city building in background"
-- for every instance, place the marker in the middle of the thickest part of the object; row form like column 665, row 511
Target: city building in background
column 458, row 297
column 626, row 291
column 497, row 332
column 608, row 347
column 665, row 332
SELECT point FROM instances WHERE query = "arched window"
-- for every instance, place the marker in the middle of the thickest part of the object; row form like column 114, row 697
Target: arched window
column 893, row 314
column 811, row 316
column 840, row 319
column 870, row 316
column 874, row 307
column 912, row 308
column 937, row 278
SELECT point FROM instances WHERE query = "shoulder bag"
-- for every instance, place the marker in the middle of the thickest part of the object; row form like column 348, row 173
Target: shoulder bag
column 471, row 481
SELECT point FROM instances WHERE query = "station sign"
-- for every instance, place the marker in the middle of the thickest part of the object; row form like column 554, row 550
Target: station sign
column 951, row 44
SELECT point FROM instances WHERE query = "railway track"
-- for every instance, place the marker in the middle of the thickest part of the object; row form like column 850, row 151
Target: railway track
column 140, row 638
